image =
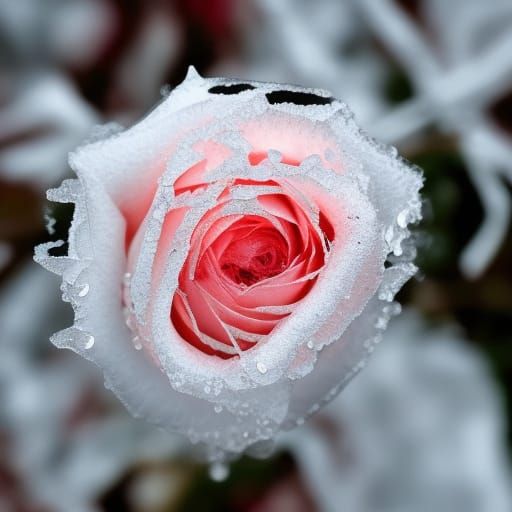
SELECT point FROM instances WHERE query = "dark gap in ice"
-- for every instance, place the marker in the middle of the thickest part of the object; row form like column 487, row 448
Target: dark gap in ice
column 298, row 98
column 63, row 214
column 230, row 89
column 62, row 250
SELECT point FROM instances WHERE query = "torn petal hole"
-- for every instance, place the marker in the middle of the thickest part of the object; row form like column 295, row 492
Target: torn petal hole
column 297, row 98
column 63, row 214
column 230, row 89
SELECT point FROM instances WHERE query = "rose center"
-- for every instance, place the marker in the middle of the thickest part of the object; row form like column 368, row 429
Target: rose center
column 258, row 256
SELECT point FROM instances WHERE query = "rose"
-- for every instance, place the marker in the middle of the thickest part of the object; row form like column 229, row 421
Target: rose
column 251, row 223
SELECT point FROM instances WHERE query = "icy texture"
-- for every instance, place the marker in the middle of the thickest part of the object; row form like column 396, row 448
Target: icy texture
column 149, row 199
column 422, row 429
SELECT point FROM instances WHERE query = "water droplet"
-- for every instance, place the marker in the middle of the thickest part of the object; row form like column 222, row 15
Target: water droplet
column 218, row 471
column 128, row 321
column 136, row 343
column 381, row 323
column 127, row 278
column 218, row 409
column 310, row 345
column 386, row 295
column 207, row 389
column 401, row 219
column 84, row 290
column 261, row 367
column 88, row 341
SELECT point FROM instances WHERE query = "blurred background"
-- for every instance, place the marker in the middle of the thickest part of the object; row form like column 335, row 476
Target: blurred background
column 427, row 425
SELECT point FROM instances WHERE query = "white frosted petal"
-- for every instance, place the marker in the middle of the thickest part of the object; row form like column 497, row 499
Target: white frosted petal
column 150, row 200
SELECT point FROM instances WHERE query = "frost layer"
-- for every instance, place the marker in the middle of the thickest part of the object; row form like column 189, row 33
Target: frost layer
column 230, row 365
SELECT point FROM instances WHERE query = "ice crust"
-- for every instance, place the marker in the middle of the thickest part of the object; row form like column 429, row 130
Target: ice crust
column 369, row 194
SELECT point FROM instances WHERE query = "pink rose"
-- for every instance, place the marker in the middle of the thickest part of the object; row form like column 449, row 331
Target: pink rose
column 238, row 235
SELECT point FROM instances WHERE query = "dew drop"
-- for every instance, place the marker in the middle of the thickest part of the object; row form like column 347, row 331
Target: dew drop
column 128, row 321
column 207, row 389
column 84, row 290
column 401, row 218
column 88, row 341
column 386, row 295
column 381, row 323
column 310, row 345
column 261, row 367
column 136, row 343
column 218, row 409
column 218, row 471
column 127, row 278
column 393, row 152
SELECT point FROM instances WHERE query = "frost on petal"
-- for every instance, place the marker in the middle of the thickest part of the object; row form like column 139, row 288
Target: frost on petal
column 193, row 330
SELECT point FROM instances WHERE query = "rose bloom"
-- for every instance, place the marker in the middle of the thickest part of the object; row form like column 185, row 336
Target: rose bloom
column 233, row 257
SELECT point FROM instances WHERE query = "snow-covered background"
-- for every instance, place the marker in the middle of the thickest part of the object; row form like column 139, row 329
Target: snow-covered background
column 426, row 426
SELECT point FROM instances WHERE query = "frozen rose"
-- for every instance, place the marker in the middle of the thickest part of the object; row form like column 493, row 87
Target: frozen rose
column 234, row 256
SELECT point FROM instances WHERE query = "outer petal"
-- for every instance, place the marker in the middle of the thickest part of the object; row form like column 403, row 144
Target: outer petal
column 174, row 167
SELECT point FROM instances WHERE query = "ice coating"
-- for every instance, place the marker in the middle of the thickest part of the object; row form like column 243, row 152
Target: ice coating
column 226, row 257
